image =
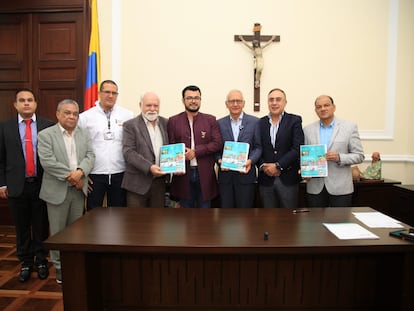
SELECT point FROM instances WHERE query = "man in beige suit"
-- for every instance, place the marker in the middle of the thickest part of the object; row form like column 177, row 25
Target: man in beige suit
column 67, row 158
column 142, row 139
column 344, row 149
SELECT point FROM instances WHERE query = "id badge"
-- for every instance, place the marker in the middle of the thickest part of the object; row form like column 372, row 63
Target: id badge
column 109, row 136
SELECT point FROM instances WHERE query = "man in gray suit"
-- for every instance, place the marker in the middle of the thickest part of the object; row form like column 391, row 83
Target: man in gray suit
column 67, row 157
column 343, row 149
column 142, row 139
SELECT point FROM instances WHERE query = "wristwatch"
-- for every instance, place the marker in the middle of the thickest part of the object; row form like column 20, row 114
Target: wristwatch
column 278, row 166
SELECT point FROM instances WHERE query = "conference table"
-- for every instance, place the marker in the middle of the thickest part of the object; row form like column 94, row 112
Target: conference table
column 230, row 259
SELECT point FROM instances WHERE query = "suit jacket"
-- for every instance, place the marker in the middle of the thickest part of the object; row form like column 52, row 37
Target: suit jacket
column 12, row 161
column 345, row 140
column 249, row 133
column 289, row 137
column 139, row 154
column 207, row 142
column 55, row 162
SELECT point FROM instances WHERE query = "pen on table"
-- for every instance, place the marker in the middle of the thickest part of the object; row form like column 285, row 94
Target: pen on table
column 295, row 211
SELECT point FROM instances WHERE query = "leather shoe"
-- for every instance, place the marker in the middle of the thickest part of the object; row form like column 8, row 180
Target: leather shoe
column 42, row 272
column 58, row 276
column 25, row 273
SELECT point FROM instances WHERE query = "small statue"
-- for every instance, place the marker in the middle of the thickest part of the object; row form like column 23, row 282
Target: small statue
column 373, row 171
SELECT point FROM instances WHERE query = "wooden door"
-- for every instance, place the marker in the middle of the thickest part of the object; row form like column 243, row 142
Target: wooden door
column 43, row 46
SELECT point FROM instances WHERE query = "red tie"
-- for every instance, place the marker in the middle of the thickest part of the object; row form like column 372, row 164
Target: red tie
column 30, row 164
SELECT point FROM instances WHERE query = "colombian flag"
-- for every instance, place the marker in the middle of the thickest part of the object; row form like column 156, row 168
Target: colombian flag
column 93, row 70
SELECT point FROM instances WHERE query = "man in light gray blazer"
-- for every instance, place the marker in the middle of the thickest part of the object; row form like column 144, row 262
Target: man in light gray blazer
column 343, row 150
column 143, row 137
column 67, row 157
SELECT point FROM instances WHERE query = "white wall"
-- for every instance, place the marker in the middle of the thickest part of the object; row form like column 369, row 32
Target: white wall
column 359, row 52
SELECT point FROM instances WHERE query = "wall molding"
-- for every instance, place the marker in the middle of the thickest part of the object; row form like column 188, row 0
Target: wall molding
column 393, row 158
column 388, row 132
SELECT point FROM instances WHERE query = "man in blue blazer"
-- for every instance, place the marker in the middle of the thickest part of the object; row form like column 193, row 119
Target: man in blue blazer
column 344, row 149
column 237, row 189
column 21, row 188
column 281, row 136
column 67, row 157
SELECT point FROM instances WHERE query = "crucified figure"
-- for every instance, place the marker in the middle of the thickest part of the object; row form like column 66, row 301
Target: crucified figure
column 258, row 57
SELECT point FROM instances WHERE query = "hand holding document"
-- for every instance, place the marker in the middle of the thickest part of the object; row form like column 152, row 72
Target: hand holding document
column 172, row 159
column 235, row 155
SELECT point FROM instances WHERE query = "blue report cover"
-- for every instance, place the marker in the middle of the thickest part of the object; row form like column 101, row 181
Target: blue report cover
column 313, row 161
column 172, row 158
column 235, row 155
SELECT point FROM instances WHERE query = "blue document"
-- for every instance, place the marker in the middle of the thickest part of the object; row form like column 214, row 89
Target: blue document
column 313, row 161
column 235, row 155
column 172, row 159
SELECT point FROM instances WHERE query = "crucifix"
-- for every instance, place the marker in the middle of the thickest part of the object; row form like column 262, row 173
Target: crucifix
column 257, row 50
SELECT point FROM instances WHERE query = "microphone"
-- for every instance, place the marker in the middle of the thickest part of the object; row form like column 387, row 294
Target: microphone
column 241, row 127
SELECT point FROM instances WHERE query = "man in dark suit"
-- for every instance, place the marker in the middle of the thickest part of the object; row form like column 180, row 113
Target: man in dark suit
column 21, row 187
column 237, row 189
column 143, row 137
column 201, row 135
column 281, row 136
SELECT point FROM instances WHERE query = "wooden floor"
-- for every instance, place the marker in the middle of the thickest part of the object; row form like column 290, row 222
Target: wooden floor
column 35, row 294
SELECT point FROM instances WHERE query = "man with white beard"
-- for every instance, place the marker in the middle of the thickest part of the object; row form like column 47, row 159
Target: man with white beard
column 142, row 139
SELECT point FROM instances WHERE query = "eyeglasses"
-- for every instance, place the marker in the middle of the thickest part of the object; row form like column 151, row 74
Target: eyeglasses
column 235, row 101
column 190, row 98
column 110, row 93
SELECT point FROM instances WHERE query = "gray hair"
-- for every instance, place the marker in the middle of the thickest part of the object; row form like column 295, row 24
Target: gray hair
column 67, row 101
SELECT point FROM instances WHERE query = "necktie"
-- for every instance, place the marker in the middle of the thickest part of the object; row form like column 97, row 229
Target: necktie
column 30, row 164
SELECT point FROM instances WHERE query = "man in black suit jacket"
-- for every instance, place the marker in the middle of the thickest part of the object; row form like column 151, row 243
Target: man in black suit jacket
column 22, row 191
column 281, row 136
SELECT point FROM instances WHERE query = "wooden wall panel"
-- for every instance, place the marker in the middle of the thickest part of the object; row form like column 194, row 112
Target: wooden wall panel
column 14, row 48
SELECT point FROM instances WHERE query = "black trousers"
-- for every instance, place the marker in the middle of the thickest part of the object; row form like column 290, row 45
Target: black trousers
column 325, row 199
column 109, row 185
column 32, row 226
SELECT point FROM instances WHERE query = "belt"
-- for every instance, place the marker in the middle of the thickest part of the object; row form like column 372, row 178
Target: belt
column 31, row 179
column 193, row 167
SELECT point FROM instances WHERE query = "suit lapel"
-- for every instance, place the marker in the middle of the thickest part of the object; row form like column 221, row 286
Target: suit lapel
column 229, row 129
column 61, row 143
column 334, row 133
column 144, row 131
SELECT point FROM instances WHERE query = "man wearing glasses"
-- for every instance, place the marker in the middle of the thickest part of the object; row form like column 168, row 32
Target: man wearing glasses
column 237, row 189
column 104, row 123
column 201, row 135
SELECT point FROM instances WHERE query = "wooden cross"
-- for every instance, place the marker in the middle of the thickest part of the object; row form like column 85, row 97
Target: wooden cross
column 258, row 57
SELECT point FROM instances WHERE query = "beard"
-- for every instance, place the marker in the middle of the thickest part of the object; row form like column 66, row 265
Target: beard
column 151, row 116
column 189, row 109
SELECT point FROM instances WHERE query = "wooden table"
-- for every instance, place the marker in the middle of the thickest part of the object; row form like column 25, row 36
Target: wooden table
column 210, row 259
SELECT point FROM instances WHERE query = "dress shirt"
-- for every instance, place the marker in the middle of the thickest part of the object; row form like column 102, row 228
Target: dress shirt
column 326, row 133
column 70, row 145
column 274, row 128
column 156, row 138
column 236, row 126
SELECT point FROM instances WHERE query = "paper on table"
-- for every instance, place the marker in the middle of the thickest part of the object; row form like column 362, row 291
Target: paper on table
column 350, row 231
column 377, row 220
